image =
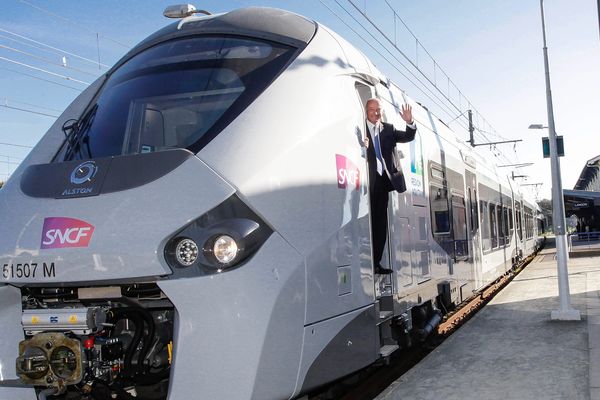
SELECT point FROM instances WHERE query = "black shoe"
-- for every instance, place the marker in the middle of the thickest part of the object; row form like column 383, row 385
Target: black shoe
column 382, row 271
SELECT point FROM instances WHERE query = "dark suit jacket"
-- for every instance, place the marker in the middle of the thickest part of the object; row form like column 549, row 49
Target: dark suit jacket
column 388, row 137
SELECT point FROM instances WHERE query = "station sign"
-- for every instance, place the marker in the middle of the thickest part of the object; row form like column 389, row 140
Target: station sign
column 560, row 146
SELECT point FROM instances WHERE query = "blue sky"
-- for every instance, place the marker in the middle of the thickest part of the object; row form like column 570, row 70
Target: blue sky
column 492, row 51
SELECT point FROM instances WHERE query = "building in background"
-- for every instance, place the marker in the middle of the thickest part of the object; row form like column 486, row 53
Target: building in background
column 584, row 200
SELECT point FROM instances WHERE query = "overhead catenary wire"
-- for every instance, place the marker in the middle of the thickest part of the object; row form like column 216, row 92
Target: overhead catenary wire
column 16, row 145
column 424, row 86
column 432, row 83
column 436, row 64
column 365, row 16
column 481, row 132
column 44, row 71
column 7, row 100
column 41, row 79
column 393, row 65
column 29, row 111
column 11, row 157
column 47, row 60
column 74, row 23
column 58, row 51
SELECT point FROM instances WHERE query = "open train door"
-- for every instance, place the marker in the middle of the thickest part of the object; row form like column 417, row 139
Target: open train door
column 383, row 283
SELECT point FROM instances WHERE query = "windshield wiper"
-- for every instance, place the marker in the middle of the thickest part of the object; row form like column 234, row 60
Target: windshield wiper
column 79, row 134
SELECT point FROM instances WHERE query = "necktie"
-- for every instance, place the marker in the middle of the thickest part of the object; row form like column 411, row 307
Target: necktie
column 377, row 149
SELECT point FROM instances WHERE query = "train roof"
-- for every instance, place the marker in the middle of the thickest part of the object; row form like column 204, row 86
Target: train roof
column 259, row 22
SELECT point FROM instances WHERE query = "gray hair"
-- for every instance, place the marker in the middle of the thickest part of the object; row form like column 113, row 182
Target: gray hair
column 372, row 99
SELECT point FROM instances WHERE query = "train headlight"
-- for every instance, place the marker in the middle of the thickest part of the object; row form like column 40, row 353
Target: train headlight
column 186, row 252
column 222, row 239
column 225, row 249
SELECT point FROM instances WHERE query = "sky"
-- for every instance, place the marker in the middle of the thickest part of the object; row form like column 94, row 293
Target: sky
column 490, row 50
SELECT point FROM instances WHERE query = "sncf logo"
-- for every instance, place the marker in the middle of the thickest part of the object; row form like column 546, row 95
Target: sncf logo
column 65, row 232
column 347, row 173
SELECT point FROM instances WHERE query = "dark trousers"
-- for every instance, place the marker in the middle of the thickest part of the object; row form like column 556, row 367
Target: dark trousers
column 379, row 195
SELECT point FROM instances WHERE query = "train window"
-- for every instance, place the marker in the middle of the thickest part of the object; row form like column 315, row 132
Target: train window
column 485, row 225
column 519, row 221
column 501, row 236
column 505, row 224
column 474, row 211
column 470, row 202
column 177, row 94
column 440, row 213
column 437, row 173
column 493, row 225
column 459, row 225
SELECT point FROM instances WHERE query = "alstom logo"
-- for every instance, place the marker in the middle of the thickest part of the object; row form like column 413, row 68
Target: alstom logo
column 65, row 232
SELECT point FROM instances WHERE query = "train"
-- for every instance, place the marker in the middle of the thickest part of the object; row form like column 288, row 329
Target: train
column 196, row 223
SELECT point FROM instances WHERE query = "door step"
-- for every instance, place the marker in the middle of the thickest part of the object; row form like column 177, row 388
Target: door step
column 384, row 315
column 388, row 349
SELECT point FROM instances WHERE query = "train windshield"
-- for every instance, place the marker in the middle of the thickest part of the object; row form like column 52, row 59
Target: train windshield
column 178, row 94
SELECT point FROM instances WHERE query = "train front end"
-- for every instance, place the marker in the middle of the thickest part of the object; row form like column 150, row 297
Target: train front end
column 131, row 268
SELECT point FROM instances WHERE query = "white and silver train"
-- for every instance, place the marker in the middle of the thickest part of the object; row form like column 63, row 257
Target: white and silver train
column 196, row 224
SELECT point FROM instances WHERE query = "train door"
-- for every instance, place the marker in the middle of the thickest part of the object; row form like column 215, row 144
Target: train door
column 382, row 283
column 475, row 248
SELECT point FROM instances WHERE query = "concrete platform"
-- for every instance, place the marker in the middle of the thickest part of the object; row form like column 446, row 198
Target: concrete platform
column 513, row 350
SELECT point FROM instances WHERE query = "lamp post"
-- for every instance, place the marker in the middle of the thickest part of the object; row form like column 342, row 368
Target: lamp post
column 565, row 312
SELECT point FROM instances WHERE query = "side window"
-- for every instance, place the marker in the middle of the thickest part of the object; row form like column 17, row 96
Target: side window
column 474, row 212
column 459, row 225
column 505, row 225
column 519, row 223
column 510, row 223
column 493, row 225
column 485, row 226
column 499, row 225
column 440, row 213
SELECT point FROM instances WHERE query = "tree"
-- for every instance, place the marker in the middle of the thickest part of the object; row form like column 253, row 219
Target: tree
column 546, row 207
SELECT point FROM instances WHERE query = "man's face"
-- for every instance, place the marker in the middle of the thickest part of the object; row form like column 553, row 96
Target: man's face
column 373, row 112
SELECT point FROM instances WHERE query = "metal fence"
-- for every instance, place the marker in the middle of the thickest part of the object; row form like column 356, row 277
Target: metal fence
column 584, row 240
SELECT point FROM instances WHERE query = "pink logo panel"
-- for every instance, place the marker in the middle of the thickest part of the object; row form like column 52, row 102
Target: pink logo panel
column 347, row 173
column 65, row 232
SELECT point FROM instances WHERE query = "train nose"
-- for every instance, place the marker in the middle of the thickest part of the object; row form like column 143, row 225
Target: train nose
column 117, row 231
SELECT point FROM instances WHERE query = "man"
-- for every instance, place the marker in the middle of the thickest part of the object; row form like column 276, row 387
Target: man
column 385, row 171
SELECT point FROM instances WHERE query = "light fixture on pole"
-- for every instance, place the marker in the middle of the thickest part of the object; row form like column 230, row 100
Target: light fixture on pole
column 537, row 126
column 565, row 312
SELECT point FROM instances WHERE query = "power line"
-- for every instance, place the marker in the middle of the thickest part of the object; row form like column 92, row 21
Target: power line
column 16, row 145
column 418, row 42
column 43, row 70
column 441, row 106
column 365, row 16
column 62, row 65
column 393, row 65
column 23, row 43
column 10, row 157
column 73, row 23
column 60, row 51
column 415, row 66
column 41, row 79
column 29, row 111
column 6, row 100
column 423, row 86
